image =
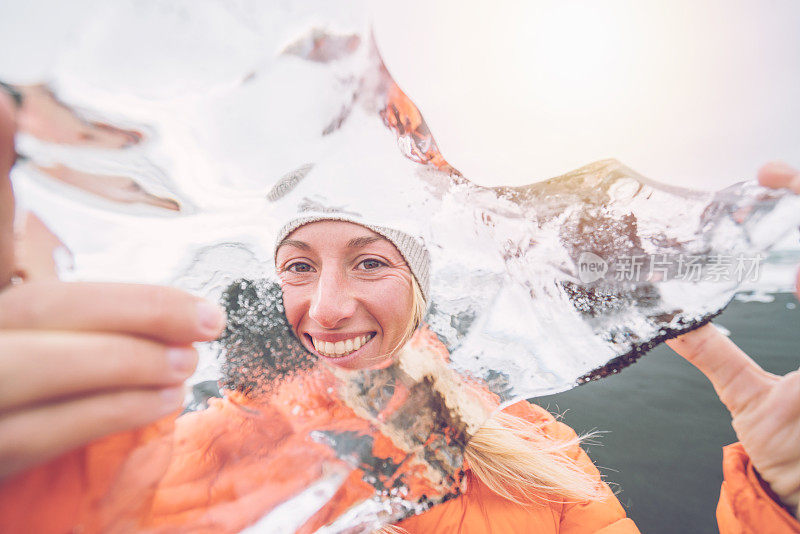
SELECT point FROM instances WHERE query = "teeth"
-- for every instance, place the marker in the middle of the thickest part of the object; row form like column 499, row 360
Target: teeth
column 340, row 348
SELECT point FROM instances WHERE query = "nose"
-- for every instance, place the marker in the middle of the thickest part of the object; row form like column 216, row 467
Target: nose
column 331, row 303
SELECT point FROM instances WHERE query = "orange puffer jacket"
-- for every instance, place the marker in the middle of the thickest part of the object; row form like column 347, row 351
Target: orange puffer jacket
column 744, row 506
column 217, row 471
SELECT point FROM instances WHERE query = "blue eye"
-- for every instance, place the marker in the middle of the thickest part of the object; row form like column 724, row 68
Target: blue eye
column 371, row 264
column 300, row 267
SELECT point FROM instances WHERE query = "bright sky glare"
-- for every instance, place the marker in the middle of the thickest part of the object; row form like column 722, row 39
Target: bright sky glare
column 698, row 94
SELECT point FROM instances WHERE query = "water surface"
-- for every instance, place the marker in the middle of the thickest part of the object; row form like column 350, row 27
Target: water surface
column 665, row 425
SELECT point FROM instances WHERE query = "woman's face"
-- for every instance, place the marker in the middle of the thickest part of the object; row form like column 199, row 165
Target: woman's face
column 347, row 292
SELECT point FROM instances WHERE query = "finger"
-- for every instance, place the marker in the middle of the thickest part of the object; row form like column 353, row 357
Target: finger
column 736, row 378
column 778, row 174
column 7, row 155
column 162, row 313
column 36, row 246
column 797, row 285
column 55, row 365
column 29, row 437
column 112, row 187
column 46, row 118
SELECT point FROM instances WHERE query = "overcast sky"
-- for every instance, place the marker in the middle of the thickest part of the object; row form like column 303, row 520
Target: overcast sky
column 688, row 92
column 693, row 93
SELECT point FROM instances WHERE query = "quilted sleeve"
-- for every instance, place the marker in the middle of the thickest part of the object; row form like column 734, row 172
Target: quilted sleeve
column 745, row 505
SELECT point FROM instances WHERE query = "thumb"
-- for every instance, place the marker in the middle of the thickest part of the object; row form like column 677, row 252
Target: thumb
column 779, row 174
column 35, row 250
column 736, row 378
column 7, row 155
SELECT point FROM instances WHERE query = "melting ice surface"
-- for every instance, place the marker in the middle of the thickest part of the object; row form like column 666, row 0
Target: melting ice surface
column 180, row 163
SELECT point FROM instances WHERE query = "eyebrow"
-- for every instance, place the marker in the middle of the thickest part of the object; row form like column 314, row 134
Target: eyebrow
column 356, row 242
column 359, row 242
column 295, row 243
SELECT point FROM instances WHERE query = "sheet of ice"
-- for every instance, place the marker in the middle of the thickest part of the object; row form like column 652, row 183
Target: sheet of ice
column 168, row 142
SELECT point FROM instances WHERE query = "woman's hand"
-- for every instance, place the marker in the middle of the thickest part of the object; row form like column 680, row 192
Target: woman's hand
column 765, row 407
column 79, row 361
column 778, row 175
column 7, row 155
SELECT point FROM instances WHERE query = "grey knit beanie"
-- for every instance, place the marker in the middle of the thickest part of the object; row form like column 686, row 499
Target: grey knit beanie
column 412, row 249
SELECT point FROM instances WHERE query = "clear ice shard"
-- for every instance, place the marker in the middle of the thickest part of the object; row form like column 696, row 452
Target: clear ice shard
column 179, row 164
column 599, row 266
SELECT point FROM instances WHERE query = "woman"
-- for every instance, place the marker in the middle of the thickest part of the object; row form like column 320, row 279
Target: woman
column 45, row 413
column 334, row 291
column 343, row 282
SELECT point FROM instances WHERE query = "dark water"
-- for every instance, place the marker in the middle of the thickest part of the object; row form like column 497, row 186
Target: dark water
column 665, row 425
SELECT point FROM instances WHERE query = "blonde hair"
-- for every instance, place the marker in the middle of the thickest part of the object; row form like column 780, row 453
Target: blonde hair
column 418, row 308
column 515, row 458
column 517, row 461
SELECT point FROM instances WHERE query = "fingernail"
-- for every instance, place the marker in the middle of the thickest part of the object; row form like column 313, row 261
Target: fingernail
column 795, row 183
column 782, row 166
column 172, row 398
column 210, row 316
column 182, row 360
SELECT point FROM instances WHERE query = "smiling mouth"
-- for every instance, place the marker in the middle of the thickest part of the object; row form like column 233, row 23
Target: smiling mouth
column 340, row 349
